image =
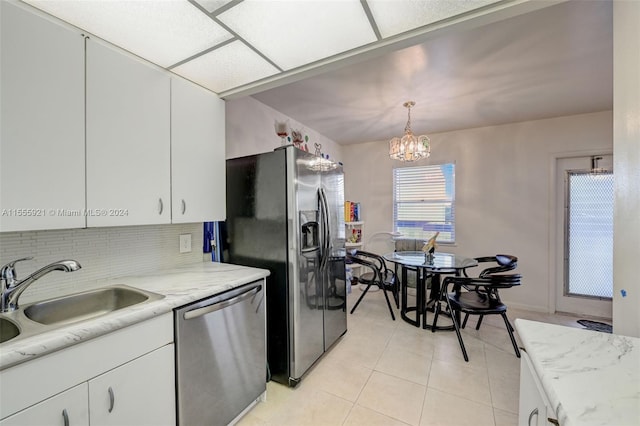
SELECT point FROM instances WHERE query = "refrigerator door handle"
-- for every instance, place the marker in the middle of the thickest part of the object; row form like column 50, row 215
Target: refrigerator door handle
column 328, row 221
column 326, row 236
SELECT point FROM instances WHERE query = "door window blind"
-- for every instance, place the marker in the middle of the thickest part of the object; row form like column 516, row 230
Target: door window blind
column 424, row 202
column 589, row 235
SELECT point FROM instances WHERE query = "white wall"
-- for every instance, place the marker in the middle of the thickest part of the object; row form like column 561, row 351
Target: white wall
column 103, row 253
column 250, row 130
column 626, row 156
column 503, row 189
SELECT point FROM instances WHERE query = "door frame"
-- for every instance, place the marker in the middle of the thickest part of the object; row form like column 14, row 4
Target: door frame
column 556, row 222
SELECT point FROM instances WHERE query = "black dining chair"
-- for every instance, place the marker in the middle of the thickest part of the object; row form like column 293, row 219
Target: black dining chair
column 378, row 275
column 478, row 296
column 504, row 263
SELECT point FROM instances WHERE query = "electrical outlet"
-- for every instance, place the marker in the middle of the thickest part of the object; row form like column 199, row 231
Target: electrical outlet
column 185, row 243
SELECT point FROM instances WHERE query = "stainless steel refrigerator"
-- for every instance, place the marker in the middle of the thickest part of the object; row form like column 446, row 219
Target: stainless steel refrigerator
column 285, row 213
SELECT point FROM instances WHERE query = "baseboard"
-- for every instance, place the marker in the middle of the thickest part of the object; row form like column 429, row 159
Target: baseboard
column 524, row 307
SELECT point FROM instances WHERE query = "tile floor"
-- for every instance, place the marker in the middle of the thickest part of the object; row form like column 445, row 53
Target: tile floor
column 384, row 372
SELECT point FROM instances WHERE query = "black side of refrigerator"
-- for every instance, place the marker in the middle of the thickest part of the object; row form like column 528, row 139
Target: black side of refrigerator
column 257, row 236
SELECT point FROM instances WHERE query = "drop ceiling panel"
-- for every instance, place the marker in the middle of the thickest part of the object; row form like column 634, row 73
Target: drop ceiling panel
column 212, row 5
column 395, row 17
column 163, row 32
column 295, row 33
column 464, row 79
column 229, row 66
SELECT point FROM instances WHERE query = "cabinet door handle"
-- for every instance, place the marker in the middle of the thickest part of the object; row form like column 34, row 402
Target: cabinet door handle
column 160, row 206
column 533, row 412
column 112, row 399
column 554, row 421
column 65, row 417
column 184, row 206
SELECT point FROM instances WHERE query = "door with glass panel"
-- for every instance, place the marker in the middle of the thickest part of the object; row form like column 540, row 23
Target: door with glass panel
column 584, row 235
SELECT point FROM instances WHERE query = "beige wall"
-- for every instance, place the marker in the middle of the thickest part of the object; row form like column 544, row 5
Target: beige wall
column 626, row 156
column 250, row 130
column 504, row 194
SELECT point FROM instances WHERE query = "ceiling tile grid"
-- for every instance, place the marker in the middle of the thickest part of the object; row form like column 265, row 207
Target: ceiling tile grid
column 231, row 65
column 227, row 44
column 295, row 33
column 162, row 32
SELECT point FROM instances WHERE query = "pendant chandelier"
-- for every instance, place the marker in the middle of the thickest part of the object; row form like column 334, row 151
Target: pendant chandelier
column 409, row 147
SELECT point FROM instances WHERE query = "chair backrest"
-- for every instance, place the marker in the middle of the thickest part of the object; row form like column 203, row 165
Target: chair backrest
column 503, row 280
column 506, row 262
column 372, row 257
column 497, row 281
column 372, row 264
column 406, row 244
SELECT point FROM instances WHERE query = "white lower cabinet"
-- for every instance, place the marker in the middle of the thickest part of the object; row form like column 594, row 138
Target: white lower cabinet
column 141, row 392
column 534, row 405
column 68, row 408
column 126, row 377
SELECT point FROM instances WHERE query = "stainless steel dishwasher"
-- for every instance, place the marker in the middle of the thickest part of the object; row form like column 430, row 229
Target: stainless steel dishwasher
column 220, row 356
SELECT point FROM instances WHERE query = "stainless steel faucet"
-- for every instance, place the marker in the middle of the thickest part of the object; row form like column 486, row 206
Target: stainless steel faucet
column 12, row 288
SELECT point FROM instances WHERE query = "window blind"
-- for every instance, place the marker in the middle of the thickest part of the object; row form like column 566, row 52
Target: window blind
column 424, row 202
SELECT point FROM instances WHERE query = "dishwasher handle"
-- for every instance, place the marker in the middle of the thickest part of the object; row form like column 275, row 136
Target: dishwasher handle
column 216, row 306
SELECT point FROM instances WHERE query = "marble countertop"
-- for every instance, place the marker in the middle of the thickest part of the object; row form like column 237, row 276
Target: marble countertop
column 589, row 377
column 180, row 286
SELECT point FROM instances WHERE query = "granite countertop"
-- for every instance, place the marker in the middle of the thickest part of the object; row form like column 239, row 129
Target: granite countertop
column 589, row 377
column 180, row 286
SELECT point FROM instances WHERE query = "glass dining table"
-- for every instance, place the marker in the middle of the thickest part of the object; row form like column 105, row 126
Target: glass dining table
column 426, row 267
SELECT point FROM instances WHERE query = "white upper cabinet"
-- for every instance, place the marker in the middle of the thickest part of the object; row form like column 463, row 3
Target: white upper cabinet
column 94, row 136
column 42, row 165
column 197, row 154
column 128, row 139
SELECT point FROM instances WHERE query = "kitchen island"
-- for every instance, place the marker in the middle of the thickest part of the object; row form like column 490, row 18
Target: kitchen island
column 586, row 377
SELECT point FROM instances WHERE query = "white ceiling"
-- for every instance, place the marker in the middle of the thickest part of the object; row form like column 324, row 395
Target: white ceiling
column 344, row 67
column 226, row 44
column 551, row 62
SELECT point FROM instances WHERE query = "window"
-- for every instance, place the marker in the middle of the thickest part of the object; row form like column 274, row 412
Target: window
column 424, row 202
column 589, row 234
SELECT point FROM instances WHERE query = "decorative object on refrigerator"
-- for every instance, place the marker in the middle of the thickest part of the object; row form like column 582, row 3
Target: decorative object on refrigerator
column 296, row 138
column 282, row 130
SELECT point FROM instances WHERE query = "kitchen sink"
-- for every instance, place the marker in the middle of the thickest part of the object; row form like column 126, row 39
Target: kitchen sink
column 86, row 305
column 8, row 330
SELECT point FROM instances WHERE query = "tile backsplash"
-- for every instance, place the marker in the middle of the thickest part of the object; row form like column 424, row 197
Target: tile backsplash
column 102, row 252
